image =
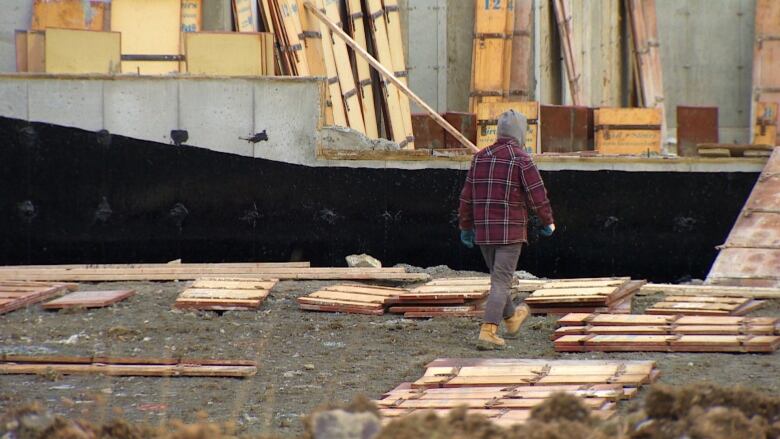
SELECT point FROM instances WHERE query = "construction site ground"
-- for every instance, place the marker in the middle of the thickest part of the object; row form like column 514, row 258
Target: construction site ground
column 305, row 359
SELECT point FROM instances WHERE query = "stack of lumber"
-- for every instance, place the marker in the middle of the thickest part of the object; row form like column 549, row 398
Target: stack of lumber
column 733, row 150
column 584, row 295
column 89, row 299
column 454, row 297
column 18, row 294
column 118, row 366
column 222, row 294
column 711, row 290
column 179, row 271
column 353, row 299
column 666, row 333
column 505, row 390
column 704, row 305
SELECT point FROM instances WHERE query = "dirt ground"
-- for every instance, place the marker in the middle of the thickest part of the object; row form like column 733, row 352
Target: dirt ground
column 305, row 359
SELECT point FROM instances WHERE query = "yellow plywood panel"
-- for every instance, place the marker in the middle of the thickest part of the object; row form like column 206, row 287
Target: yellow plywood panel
column 68, row 14
column 765, row 128
column 393, row 19
column 628, row 130
column 82, row 51
column 228, row 54
column 191, row 15
column 487, row 120
column 148, row 27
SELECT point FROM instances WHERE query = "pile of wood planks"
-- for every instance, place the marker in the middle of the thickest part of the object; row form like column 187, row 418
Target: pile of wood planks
column 704, row 305
column 666, row 333
column 711, row 290
column 348, row 298
column 505, row 390
column 222, row 294
column 19, row 294
column 584, row 295
column 180, row 271
column 122, row 366
column 89, row 299
column 454, row 297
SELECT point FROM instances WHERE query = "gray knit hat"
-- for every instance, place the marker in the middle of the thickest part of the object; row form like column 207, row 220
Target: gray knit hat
column 512, row 124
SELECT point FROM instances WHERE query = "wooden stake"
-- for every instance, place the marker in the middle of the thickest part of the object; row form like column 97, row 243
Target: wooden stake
column 391, row 77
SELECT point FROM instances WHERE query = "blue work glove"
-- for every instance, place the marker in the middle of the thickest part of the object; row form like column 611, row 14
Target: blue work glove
column 467, row 238
column 547, row 230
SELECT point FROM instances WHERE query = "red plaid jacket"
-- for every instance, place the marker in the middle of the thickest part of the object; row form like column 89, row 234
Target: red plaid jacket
column 500, row 186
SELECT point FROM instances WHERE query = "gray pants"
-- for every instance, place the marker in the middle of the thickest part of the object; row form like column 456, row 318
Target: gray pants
column 502, row 263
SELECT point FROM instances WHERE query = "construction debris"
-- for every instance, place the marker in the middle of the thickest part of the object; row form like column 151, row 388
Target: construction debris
column 222, row 294
column 666, row 333
column 281, row 271
column 707, row 305
column 18, row 294
column 89, row 299
column 505, row 390
column 122, row 366
column 584, row 295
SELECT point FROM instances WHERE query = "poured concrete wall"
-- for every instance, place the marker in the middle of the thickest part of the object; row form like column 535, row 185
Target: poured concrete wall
column 216, row 112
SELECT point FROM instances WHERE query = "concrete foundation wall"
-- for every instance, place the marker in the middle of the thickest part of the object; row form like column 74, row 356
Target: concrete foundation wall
column 216, row 112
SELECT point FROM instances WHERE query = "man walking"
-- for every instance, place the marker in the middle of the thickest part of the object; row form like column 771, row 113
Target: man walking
column 500, row 186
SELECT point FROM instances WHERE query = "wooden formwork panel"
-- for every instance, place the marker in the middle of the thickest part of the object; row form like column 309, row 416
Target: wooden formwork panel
column 629, row 131
column 487, row 122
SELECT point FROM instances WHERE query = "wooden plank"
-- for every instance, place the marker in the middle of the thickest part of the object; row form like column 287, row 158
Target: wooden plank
column 628, row 130
column 365, row 84
column 68, row 14
column 148, row 27
column 346, row 78
column 343, row 308
column 378, row 27
column 207, row 293
column 234, row 284
column 8, row 305
column 308, row 300
column 351, row 297
column 563, row 19
column 393, row 25
column 225, row 53
column 708, row 299
column 488, row 59
column 644, row 32
column 89, row 299
column 130, row 370
column 244, row 16
column 712, row 290
column 291, row 24
column 334, row 86
column 71, row 51
column 521, row 60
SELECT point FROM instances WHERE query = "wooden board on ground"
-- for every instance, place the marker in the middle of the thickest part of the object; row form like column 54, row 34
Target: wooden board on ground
column 668, row 343
column 126, row 367
column 584, row 296
column 69, row 51
column 487, row 122
column 148, row 27
column 629, row 131
column 350, row 298
column 89, row 299
column 712, row 290
column 226, row 53
column 69, row 14
column 15, row 295
column 225, row 294
column 709, row 305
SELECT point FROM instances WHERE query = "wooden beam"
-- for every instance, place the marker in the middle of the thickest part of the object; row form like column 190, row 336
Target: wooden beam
column 563, row 18
column 390, row 77
column 711, row 290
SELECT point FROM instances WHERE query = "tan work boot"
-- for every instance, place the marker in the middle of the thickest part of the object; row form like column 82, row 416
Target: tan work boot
column 488, row 340
column 513, row 323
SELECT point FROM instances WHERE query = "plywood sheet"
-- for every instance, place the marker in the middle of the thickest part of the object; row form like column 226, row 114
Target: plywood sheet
column 628, row 130
column 695, row 125
column 228, row 54
column 20, row 43
column 89, row 299
column 82, row 51
column 191, row 15
column 243, row 13
column 148, row 27
column 69, row 14
column 36, row 52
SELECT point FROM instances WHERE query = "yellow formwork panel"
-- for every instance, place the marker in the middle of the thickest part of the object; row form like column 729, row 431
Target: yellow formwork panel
column 82, row 51
column 227, row 54
column 487, row 122
column 148, row 27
